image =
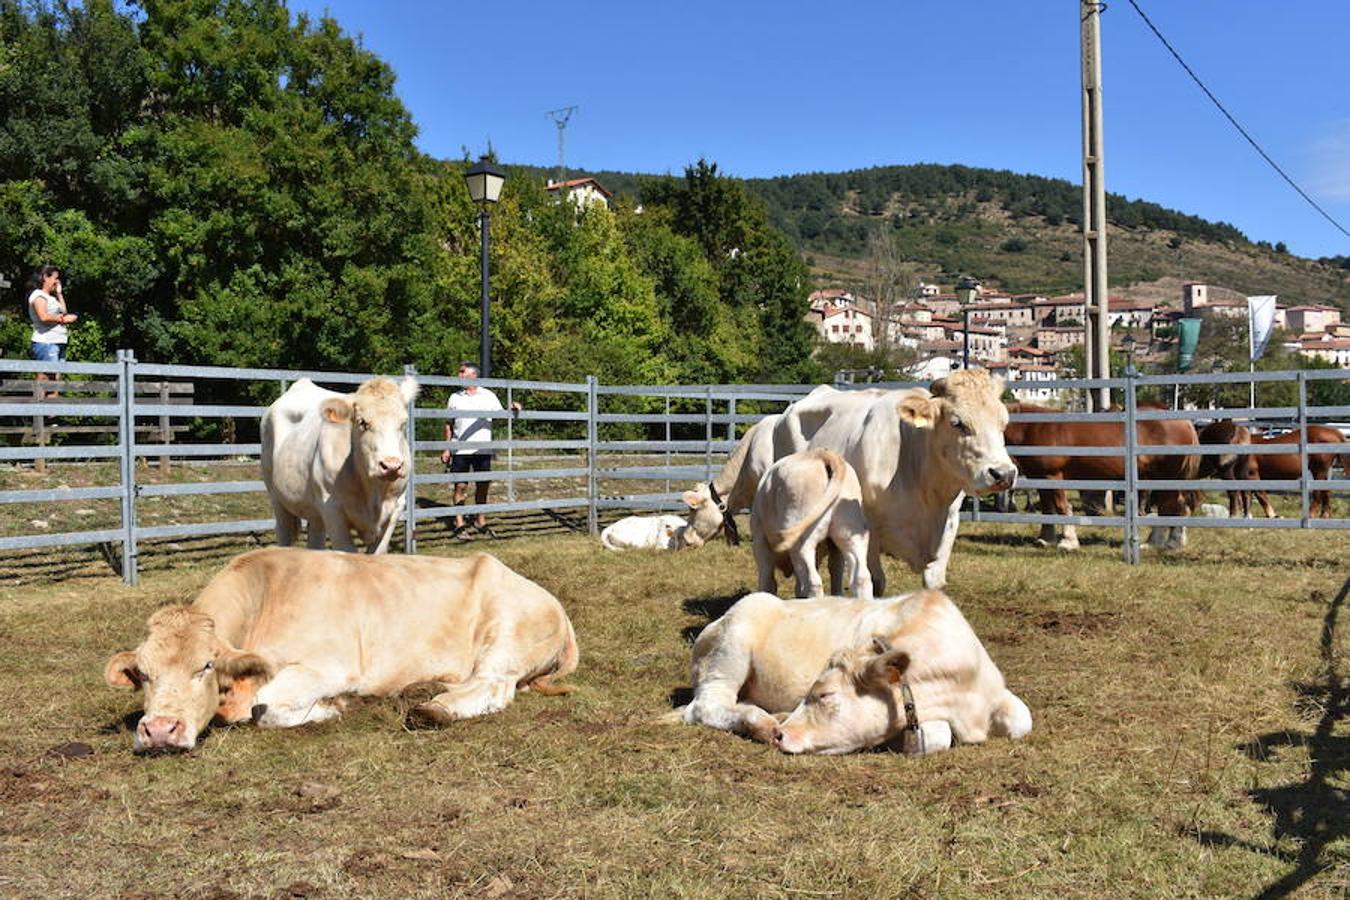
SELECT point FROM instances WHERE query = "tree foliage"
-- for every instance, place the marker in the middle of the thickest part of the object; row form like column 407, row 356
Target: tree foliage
column 225, row 183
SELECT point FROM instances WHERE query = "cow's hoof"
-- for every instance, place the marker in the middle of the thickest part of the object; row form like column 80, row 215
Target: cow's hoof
column 1067, row 545
column 1042, row 542
column 430, row 715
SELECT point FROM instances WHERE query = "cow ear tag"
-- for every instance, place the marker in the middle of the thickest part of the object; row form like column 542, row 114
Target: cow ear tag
column 917, row 411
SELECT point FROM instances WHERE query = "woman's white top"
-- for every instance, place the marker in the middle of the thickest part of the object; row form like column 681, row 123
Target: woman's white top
column 47, row 332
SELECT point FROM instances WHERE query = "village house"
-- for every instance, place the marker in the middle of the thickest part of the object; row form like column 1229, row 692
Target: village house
column 1056, row 310
column 1314, row 318
column 841, row 318
column 1024, row 380
column 583, row 192
column 1009, row 313
column 944, row 305
column 1334, row 350
column 1122, row 313
column 1055, row 338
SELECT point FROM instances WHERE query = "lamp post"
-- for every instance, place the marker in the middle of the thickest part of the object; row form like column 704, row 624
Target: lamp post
column 485, row 186
column 1127, row 344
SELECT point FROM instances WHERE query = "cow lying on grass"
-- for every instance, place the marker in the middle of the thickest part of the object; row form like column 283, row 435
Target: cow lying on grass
column 644, row 533
column 836, row 675
column 803, row 501
column 283, row 635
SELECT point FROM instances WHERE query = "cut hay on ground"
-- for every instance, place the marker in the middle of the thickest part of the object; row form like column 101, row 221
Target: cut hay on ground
column 1190, row 740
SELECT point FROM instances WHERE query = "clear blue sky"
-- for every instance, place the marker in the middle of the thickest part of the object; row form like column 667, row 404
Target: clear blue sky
column 771, row 89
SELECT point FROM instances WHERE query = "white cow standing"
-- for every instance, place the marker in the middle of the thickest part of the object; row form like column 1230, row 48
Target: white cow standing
column 835, row 675
column 803, row 501
column 644, row 533
column 339, row 461
column 917, row 453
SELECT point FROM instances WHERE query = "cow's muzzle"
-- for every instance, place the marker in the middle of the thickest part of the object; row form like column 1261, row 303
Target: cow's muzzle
column 163, row 733
column 1001, row 478
column 390, row 468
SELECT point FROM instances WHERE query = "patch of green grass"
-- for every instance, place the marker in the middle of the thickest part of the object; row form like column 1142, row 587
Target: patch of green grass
column 1188, row 741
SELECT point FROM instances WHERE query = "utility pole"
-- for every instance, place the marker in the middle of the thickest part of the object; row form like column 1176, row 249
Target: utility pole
column 1096, row 302
column 560, row 117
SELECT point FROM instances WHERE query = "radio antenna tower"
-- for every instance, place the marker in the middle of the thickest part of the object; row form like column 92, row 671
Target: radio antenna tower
column 560, row 117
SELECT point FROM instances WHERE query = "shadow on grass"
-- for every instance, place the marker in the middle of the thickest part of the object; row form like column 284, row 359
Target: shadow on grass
column 1315, row 812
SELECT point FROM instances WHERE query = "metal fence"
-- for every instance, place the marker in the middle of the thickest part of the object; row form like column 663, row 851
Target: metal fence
column 576, row 448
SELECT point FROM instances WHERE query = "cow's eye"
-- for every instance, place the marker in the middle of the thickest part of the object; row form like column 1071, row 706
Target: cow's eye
column 823, row 696
column 959, row 425
column 205, row 669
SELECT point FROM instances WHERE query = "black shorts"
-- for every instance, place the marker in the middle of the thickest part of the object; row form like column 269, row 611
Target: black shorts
column 470, row 462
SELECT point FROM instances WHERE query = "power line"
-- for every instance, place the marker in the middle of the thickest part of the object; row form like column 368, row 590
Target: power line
column 1251, row 140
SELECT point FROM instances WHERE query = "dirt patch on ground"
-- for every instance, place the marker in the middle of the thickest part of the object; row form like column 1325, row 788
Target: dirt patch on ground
column 1055, row 622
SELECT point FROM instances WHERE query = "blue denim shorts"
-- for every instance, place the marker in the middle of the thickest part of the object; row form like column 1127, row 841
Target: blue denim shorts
column 44, row 352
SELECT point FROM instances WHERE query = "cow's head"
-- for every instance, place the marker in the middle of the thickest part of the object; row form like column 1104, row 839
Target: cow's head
column 965, row 418
column 378, row 417
column 705, row 518
column 855, row 704
column 189, row 676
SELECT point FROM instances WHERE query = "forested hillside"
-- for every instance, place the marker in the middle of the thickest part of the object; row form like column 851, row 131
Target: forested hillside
column 224, row 183
column 1019, row 233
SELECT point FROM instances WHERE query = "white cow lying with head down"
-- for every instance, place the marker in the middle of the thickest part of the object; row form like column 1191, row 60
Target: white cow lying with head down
column 283, row 635
column 836, row 675
column 803, row 501
column 339, row 461
column 644, row 533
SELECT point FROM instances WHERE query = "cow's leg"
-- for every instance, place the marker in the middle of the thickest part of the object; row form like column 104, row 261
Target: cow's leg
column 809, row 582
column 288, row 524
column 296, row 695
column 935, row 573
column 875, row 570
column 316, row 538
column 766, row 562
column 479, row 695
column 1070, row 539
column 1264, row 499
column 848, row 543
column 339, row 534
column 1048, row 531
column 719, row 675
column 843, row 571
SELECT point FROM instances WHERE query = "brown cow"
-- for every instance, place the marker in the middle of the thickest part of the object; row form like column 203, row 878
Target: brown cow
column 1286, row 466
column 1165, row 432
column 1228, row 466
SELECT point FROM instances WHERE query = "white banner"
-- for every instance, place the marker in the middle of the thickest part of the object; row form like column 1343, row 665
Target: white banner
column 1260, row 322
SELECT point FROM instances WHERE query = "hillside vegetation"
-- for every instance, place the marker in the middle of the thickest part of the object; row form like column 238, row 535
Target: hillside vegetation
column 1020, row 233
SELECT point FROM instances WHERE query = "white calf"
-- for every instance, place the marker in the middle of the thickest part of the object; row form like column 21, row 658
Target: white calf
column 802, row 501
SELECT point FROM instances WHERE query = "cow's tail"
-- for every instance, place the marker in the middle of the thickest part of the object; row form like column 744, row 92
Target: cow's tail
column 835, row 468
column 564, row 665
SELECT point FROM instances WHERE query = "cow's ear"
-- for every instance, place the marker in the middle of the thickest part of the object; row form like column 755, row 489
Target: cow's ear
column 920, row 412
column 888, row 668
column 693, row 499
column 122, row 671
column 336, row 410
column 242, row 664
column 408, row 389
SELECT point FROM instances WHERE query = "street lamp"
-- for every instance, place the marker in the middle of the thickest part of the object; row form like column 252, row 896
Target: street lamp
column 1127, row 344
column 485, row 186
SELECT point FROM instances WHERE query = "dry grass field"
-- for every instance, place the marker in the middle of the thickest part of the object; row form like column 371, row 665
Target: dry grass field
column 1190, row 740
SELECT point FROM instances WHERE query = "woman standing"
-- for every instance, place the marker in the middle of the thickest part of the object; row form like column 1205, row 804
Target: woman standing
column 47, row 311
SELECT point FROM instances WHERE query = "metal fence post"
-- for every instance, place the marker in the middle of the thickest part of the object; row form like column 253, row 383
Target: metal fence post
column 410, row 490
column 731, row 419
column 592, row 437
column 1131, row 471
column 707, row 435
column 126, row 444
column 510, row 449
column 667, row 443
column 1303, row 449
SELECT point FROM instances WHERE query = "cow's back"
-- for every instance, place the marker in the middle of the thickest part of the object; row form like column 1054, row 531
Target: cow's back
column 294, row 470
column 387, row 620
